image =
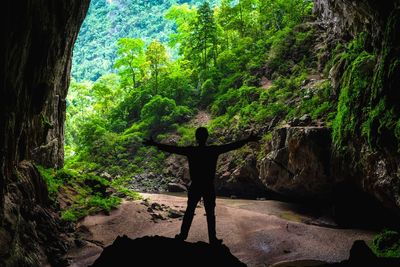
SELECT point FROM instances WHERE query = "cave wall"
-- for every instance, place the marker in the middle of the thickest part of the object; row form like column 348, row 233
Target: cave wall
column 37, row 42
column 346, row 18
column 369, row 154
column 360, row 172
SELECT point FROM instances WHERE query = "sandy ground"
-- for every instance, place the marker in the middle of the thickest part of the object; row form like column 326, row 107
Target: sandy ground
column 259, row 233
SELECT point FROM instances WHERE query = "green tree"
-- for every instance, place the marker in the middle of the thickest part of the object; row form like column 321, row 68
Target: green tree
column 156, row 56
column 184, row 16
column 131, row 60
column 176, row 84
column 204, row 36
column 79, row 103
column 160, row 114
column 106, row 93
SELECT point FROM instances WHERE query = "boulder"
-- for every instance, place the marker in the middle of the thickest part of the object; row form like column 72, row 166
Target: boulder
column 175, row 187
column 305, row 120
column 178, row 167
column 156, row 206
column 238, row 175
column 172, row 213
column 298, row 163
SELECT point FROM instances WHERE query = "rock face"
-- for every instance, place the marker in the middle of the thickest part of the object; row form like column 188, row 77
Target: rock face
column 241, row 178
column 301, row 165
column 35, row 65
column 346, row 18
column 178, row 167
column 372, row 163
column 298, row 163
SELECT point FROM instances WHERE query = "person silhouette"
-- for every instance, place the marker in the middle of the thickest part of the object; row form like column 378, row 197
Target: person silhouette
column 202, row 166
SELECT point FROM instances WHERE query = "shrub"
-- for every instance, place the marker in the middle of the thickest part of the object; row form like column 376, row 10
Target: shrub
column 52, row 180
column 160, row 113
column 387, row 244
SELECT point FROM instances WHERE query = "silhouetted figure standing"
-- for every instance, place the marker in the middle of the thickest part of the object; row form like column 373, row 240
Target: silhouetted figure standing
column 202, row 167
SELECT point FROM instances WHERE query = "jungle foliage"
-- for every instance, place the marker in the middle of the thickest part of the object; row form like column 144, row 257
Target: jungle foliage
column 247, row 63
column 146, row 69
column 108, row 21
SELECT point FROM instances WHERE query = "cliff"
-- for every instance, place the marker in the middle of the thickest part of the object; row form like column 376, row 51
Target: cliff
column 357, row 170
column 366, row 129
column 37, row 43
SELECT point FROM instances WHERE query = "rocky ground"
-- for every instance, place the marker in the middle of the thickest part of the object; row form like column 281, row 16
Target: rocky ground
column 257, row 232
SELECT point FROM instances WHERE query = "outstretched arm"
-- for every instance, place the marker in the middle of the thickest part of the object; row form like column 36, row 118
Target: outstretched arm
column 166, row 148
column 238, row 144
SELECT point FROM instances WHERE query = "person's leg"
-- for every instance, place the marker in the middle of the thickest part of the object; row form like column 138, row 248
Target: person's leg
column 209, row 205
column 193, row 198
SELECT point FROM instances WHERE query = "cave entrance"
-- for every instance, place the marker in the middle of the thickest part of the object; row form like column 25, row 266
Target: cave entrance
column 237, row 68
column 140, row 80
column 271, row 68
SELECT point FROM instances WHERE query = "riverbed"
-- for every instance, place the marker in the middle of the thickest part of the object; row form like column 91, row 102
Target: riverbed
column 258, row 232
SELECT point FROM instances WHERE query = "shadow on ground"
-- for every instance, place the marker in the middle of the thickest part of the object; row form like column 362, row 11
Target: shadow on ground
column 163, row 251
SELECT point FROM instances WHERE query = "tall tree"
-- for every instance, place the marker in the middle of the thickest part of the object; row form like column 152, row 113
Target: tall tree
column 106, row 93
column 156, row 55
column 204, row 35
column 184, row 16
column 131, row 59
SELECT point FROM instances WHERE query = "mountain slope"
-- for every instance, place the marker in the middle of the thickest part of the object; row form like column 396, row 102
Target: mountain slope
column 109, row 20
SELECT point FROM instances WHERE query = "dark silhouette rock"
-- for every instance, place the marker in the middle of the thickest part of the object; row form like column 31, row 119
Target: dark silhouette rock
column 163, row 251
column 360, row 256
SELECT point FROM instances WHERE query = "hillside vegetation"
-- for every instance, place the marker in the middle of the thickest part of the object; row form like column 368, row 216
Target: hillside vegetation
column 108, row 21
column 246, row 63
column 162, row 68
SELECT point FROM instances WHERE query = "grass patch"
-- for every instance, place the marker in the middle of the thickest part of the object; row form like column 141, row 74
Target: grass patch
column 53, row 182
column 93, row 193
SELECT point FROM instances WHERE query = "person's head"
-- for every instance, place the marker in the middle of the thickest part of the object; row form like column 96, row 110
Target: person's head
column 201, row 135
